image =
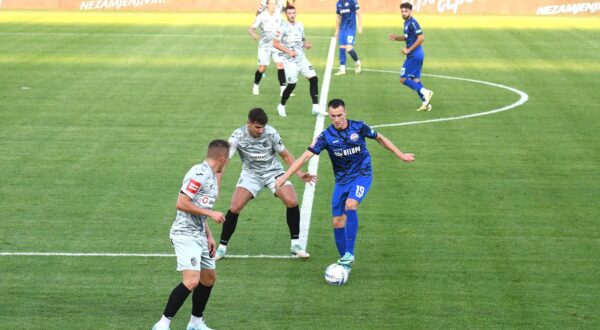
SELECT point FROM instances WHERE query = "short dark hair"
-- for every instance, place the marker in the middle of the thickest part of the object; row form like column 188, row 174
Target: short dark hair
column 258, row 115
column 290, row 7
column 217, row 148
column 336, row 103
column 406, row 5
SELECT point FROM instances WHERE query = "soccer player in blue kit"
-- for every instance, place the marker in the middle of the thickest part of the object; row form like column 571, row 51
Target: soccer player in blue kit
column 349, row 18
column 345, row 143
column 411, row 69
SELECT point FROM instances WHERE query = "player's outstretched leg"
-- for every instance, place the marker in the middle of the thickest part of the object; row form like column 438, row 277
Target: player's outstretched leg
column 293, row 222
column 257, row 77
column 357, row 67
column 227, row 231
column 342, row 54
column 199, row 300
column 176, row 300
column 281, row 78
column 284, row 97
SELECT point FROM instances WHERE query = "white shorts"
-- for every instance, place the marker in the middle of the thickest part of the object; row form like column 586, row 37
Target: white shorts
column 193, row 254
column 265, row 54
column 254, row 183
column 293, row 68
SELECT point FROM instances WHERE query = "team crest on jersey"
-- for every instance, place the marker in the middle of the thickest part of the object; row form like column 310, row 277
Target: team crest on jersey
column 354, row 137
column 265, row 144
column 194, row 261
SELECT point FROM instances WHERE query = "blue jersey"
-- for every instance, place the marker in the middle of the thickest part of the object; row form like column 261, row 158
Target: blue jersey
column 412, row 30
column 347, row 150
column 347, row 9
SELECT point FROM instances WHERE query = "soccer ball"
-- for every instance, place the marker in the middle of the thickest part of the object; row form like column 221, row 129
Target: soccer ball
column 336, row 274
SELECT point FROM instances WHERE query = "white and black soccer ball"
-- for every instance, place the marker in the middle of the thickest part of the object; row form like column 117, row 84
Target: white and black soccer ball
column 336, row 274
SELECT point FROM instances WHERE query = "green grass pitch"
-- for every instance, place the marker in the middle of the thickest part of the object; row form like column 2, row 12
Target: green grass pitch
column 494, row 226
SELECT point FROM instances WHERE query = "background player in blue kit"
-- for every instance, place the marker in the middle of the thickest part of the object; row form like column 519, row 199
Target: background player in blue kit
column 411, row 69
column 345, row 143
column 349, row 18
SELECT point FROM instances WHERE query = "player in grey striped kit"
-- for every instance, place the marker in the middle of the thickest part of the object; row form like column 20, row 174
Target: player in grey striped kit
column 258, row 145
column 192, row 239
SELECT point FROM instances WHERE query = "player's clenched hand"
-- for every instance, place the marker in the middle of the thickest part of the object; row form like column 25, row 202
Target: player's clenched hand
column 279, row 182
column 392, row 37
column 308, row 178
column 292, row 54
column 212, row 246
column 409, row 158
column 405, row 51
column 307, row 45
column 217, row 216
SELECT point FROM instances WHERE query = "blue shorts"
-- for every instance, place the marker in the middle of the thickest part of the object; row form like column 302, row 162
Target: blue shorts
column 356, row 189
column 412, row 67
column 346, row 37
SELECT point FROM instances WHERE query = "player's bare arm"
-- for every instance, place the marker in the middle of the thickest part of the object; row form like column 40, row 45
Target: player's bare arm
column 288, row 158
column 284, row 49
column 386, row 143
column 212, row 245
column 185, row 204
column 307, row 44
column 338, row 20
column 252, row 33
column 293, row 168
column 395, row 37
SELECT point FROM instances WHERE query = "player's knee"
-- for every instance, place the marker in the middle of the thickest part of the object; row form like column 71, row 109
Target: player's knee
column 314, row 79
column 208, row 278
column 289, row 203
column 402, row 80
column 191, row 282
column 262, row 68
column 339, row 222
column 236, row 208
column 351, row 204
column 349, row 48
column 291, row 86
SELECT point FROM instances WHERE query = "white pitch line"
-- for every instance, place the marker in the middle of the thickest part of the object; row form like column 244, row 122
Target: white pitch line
column 138, row 255
column 521, row 101
column 307, row 197
column 143, row 35
column 313, row 164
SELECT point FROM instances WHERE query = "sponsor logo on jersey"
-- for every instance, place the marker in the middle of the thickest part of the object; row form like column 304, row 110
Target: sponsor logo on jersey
column 344, row 11
column 354, row 137
column 193, row 186
column 258, row 156
column 347, row 152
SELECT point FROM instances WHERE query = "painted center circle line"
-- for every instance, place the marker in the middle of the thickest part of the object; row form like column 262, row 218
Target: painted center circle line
column 523, row 98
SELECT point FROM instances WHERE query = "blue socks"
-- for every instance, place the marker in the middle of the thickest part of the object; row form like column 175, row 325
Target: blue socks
column 351, row 229
column 345, row 237
column 415, row 86
column 342, row 56
column 340, row 240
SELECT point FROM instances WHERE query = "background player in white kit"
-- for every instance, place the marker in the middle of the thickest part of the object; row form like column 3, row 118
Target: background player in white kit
column 192, row 239
column 258, row 145
column 281, row 4
column 290, row 39
column 268, row 22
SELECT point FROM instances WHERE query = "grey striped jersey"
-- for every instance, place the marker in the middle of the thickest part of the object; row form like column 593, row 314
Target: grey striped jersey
column 292, row 37
column 258, row 155
column 200, row 184
column 268, row 25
